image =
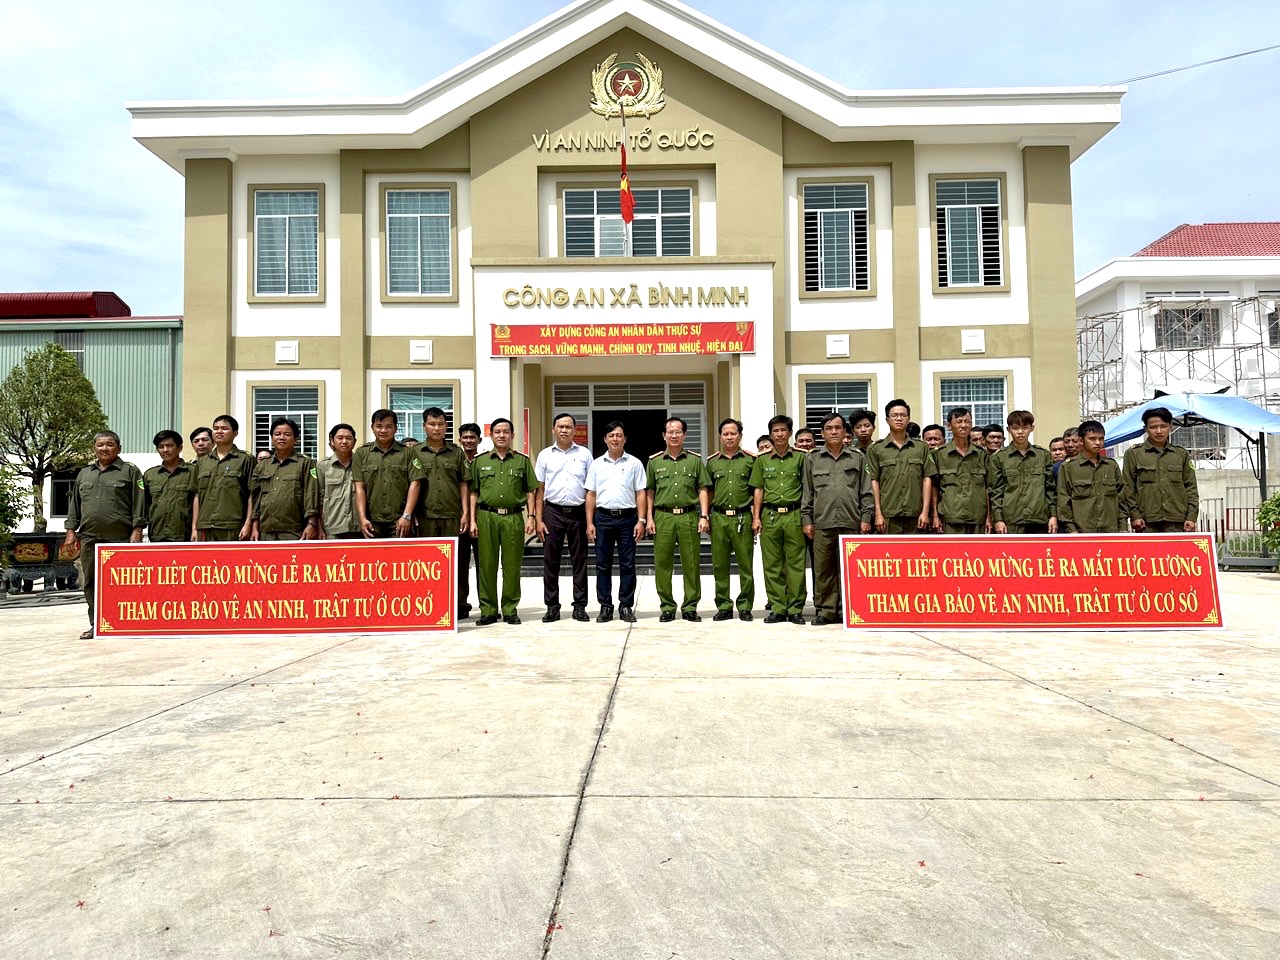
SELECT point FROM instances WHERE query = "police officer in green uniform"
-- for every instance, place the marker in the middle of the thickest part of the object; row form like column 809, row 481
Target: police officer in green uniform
column 502, row 482
column 286, row 489
column 729, row 480
column 836, row 500
column 961, row 504
column 170, row 489
column 1090, row 487
column 901, row 471
column 778, row 479
column 388, row 478
column 1160, row 480
column 108, row 505
column 678, row 501
column 223, row 506
column 1024, row 497
column 444, row 509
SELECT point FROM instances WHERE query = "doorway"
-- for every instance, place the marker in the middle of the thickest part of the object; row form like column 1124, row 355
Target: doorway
column 644, row 431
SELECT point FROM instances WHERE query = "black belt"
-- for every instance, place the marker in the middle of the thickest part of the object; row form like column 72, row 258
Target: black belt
column 500, row 511
column 610, row 512
column 732, row 511
column 677, row 511
column 782, row 507
column 565, row 507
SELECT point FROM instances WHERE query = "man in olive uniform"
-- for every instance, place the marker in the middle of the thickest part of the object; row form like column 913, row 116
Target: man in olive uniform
column 678, row 501
column 729, row 479
column 338, row 519
column 469, row 439
column 108, row 505
column 170, row 489
column 223, row 509
column 836, row 499
column 960, row 483
column 201, row 442
column 901, row 471
column 1090, row 486
column 502, row 482
column 1020, row 478
column 286, row 489
column 778, row 480
column 1160, row 480
column 388, row 478
column 443, row 507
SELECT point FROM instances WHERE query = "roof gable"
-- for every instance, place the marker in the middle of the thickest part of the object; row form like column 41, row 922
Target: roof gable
column 1260, row 239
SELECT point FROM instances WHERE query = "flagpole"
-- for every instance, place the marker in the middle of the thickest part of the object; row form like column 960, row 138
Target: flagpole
column 626, row 225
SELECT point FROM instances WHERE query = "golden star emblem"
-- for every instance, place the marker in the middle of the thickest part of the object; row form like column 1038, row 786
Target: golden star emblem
column 627, row 83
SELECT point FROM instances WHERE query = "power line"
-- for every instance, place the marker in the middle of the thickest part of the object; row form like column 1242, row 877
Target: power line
column 1203, row 63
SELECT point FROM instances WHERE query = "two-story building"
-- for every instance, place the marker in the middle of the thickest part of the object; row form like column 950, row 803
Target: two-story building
column 796, row 246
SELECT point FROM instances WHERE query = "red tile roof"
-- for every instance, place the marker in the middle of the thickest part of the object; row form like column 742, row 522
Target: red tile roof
column 1217, row 240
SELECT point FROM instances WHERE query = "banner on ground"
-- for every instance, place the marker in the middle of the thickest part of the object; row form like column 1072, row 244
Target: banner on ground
column 328, row 586
column 1075, row 582
column 622, row 339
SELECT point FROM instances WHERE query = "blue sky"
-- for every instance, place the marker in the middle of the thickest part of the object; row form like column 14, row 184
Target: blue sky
column 83, row 207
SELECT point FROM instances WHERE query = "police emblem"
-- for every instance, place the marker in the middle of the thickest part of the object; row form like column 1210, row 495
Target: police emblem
column 501, row 331
column 634, row 87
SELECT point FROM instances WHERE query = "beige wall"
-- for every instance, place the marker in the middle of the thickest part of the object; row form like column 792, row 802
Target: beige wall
column 206, row 306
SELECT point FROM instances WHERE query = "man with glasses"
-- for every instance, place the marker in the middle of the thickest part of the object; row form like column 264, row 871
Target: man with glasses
column 901, row 471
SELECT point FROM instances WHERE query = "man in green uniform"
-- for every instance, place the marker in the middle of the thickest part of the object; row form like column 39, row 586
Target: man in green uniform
column 338, row 518
column 836, row 499
column 901, row 471
column 1020, row 478
column 502, row 482
column 388, row 478
column 286, row 489
column 678, row 501
column 1090, row 487
column 960, row 488
column 729, row 479
column 201, row 442
column 170, row 490
column 223, row 509
column 778, row 479
column 1160, row 480
column 469, row 440
column 444, row 507
column 108, row 505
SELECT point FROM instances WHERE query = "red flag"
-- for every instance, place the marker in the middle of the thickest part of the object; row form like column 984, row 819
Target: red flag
column 626, row 198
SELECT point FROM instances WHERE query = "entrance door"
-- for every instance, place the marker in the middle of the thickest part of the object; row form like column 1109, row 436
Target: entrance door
column 644, row 431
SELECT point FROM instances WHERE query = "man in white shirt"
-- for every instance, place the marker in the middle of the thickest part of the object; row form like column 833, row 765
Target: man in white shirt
column 616, row 503
column 561, row 470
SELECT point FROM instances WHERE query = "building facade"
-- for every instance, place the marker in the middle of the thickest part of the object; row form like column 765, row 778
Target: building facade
column 797, row 247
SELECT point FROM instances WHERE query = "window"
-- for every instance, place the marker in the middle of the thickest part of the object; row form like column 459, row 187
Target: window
column 72, row 341
column 408, row 402
column 1273, row 328
column 1187, row 328
column 301, row 404
column 60, row 492
column 969, row 244
column 419, row 246
column 1204, row 441
column 985, row 396
column 837, row 247
column 286, row 243
column 663, row 224
column 822, row 397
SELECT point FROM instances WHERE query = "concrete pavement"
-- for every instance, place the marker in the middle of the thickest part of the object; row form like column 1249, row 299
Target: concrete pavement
column 680, row 790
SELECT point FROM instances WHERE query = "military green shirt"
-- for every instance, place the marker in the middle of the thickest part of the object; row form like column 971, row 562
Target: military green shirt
column 900, row 471
column 1089, row 495
column 961, row 483
column 837, row 490
column 503, row 482
column 108, row 504
column 1160, row 485
column 386, row 475
column 337, row 496
column 675, row 481
column 223, row 486
column 169, row 496
column 286, row 494
column 445, row 470
column 780, row 477
column 1022, row 485
column 730, row 480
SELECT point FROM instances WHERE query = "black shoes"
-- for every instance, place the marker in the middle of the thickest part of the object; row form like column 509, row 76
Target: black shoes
column 775, row 617
column 606, row 613
column 464, row 612
column 797, row 618
column 691, row 616
column 723, row 615
column 552, row 614
column 625, row 614
column 580, row 614
column 745, row 615
column 513, row 619
column 485, row 621
column 666, row 616
column 821, row 621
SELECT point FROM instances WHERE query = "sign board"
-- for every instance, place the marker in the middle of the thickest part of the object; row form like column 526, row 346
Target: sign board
column 622, row 339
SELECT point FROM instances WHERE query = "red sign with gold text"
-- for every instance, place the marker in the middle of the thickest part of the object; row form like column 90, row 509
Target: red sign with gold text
column 1067, row 582
column 328, row 586
column 622, row 339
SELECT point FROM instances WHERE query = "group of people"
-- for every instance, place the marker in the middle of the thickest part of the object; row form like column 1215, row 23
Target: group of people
column 795, row 500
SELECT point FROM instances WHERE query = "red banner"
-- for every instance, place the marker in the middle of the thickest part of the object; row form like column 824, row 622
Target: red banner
column 1067, row 582
column 622, row 339
column 329, row 586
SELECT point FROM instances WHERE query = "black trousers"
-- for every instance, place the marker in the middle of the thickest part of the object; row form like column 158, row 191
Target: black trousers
column 564, row 523
column 467, row 558
column 616, row 533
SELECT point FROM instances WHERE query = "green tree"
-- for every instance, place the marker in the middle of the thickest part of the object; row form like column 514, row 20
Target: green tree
column 13, row 503
column 49, row 413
